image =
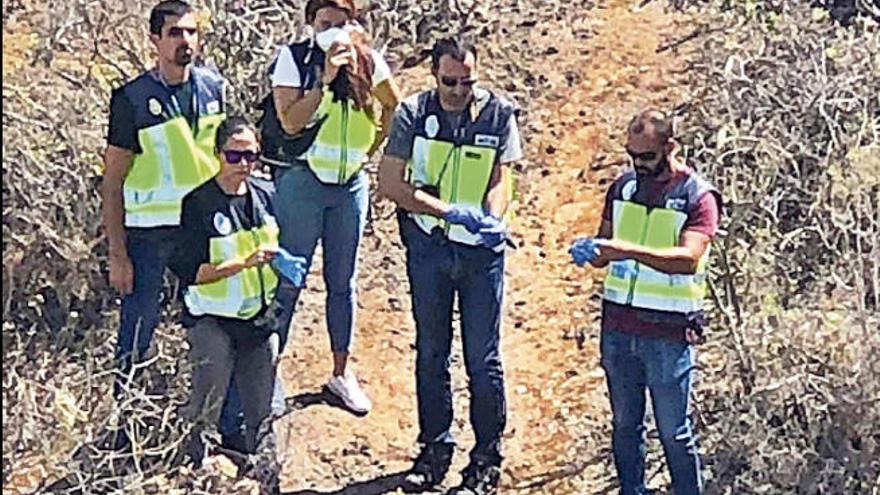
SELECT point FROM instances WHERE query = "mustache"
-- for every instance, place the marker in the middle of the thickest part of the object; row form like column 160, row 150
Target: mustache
column 648, row 172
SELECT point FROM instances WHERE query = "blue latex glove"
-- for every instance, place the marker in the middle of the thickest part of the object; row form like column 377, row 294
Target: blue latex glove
column 293, row 268
column 584, row 250
column 493, row 232
column 471, row 218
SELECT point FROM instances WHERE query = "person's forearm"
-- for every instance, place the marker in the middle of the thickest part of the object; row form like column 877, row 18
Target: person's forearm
column 389, row 97
column 675, row 260
column 498, row 196
column 394, row 186
column 600, row 262
column 498, row 200
column 415, row 200
column 208, row 273
column 387, row 118
column 296, row 115
column 113, row 216
column 382, row 132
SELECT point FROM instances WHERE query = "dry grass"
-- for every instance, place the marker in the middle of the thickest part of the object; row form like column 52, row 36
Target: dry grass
column 788, row 124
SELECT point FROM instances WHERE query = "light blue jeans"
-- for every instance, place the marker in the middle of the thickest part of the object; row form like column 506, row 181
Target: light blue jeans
column 308, row 210
column 634, row 365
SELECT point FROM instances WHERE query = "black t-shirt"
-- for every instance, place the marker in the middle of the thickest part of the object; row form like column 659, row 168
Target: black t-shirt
column 209, row 212
column 183, row 93
column 122, row 131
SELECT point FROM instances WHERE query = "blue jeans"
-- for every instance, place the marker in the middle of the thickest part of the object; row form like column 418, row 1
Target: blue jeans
column 308, row 210
column 437, row 270
column 664, row 368
column 150, row 251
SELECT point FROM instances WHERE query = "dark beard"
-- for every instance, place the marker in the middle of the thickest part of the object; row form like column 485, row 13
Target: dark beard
column 182, row 57
column 648, row 174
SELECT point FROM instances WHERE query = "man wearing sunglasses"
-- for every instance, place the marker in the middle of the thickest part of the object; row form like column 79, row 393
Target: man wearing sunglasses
column 446, row 163
column 656, row 229
column 159, row 148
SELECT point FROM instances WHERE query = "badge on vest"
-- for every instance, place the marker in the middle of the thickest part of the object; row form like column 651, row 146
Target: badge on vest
column 155, row 107
column 432, row 126
column 213, row 106
column 222, row 224
column 486, row 140
column 676, row 203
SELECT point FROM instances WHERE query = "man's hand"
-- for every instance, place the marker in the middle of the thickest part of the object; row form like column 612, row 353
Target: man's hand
column 694, row 337
column 121, row 273
column 613, row 249
column 583, row 250
column 471, row 218
column 493, row 232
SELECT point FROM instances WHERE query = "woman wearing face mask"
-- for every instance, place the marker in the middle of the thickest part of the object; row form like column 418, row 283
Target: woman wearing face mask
column 319, row 129
column 227, row 247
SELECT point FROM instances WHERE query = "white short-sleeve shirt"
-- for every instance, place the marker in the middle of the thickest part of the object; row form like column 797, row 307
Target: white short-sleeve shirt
column 286, row 73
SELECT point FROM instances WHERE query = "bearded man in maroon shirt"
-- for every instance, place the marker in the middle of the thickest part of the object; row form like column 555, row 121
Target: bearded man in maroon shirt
column 657, row 226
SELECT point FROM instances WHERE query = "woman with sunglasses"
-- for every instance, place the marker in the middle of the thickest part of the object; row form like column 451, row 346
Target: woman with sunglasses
column 319, row 129
column 228, row 238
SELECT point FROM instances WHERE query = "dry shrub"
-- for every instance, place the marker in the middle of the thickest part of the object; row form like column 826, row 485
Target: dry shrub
column 787, row 122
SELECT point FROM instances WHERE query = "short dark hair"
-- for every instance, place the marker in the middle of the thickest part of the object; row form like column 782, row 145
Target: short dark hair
column 230, row 127
column 164, row 10
column 455, row 47
column 657, row 120
column 313, row 6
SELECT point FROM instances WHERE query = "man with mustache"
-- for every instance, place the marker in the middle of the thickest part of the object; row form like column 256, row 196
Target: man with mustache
column 658, row 222
column 159, row 148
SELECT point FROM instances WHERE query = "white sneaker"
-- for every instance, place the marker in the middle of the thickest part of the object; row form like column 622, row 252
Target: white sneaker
column 349, row 390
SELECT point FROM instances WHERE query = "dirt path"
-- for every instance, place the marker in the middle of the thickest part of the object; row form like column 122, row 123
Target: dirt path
column 598, row 66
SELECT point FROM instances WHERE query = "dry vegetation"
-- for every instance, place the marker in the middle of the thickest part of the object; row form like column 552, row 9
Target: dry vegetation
column 59, row 314
column 788, row 123
column 786, row 120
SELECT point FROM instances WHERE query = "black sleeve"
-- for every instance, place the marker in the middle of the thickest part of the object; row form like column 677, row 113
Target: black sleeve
column 122, row 131
column 191, row 246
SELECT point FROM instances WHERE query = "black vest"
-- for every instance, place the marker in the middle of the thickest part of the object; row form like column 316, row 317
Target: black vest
column 277, row 144
column 154, row 103
column 491, row 120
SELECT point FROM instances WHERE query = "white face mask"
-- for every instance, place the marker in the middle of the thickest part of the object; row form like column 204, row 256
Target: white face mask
column 326, row 38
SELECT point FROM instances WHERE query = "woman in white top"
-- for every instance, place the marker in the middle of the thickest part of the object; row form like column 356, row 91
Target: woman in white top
column 320, row 127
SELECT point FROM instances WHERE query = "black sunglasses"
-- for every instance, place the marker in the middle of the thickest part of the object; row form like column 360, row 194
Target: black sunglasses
column 177, row 32
column 235, row 156
column 643, row 157
column 455, row 81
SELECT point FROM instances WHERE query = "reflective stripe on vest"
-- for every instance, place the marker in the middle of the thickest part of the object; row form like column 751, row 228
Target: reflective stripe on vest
column 461, row 173
column 636, row 284
column 241, row 295
column 173, row 163
column 343, row 141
